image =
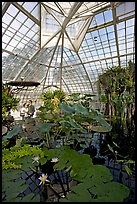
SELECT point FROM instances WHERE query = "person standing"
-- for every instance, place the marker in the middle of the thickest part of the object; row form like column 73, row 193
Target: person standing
column 24, row 111
column 31, row 109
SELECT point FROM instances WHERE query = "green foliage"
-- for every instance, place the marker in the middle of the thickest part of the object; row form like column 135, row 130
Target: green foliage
column 48, row 95
column 45, row 127
column 100, row 129
column 103, row 98
column 70, row 119
column 15, row 131
column 8, row 101
column 94, row 182
column 30, row 197
column 80, row 109
column 118, row 86
column 59, row 116
column 92, row 190
column 11, row 157
column 60, row 95
column 13, row 185
column 81, row 114
column 128, row 170
column 74, row 97
column 74, row 119
column 66, row 108
column 127, row 163
column 52, row 99
column 118, row 82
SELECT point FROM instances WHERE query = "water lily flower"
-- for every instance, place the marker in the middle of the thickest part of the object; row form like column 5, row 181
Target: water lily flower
column 55, row 159
column 36, row 159
column 43, row 179
column 62, row 196
column 23, row 126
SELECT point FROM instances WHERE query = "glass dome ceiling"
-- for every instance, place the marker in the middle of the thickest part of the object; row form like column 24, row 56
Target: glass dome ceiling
column 65, row 45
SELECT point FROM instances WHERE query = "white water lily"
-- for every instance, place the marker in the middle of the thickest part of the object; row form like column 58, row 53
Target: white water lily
column 36, row 159
column 62, row 196
column 43, row 179
column 55, row 159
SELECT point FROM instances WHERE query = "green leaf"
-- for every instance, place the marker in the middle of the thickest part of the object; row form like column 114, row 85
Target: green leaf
column 31, row 198
column 16, row 130
column 84, row 196
column 66, row 108
column 19, row 142
column 130, row 162
column 128, row 170
column 97, row 192
column 14, row 188
column 100, row 129
column 112, row 190
column 80, row 109
column 46, row 127
column 68, row 169
column 105, row 124
column 60, row 165
column 121, row 160
column 101, row 172
column 43, row 161
column 47, row 116
column 76, row 126
column 26, row 162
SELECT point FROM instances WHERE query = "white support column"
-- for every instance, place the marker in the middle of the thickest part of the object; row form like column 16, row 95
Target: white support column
column 61, row 61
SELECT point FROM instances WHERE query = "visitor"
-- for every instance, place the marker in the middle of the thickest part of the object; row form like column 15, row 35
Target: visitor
column 31, row 109
column 24, row 112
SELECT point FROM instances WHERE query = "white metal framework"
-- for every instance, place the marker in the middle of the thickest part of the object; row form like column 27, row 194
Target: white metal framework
column 65, row 44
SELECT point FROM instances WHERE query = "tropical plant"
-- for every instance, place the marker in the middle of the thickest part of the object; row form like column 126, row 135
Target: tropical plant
column 8, row 101
column 71, row 120
column 52, row 99
column 118, row 86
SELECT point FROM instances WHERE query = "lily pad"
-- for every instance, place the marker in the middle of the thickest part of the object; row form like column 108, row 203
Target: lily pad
column 100, row 129
column 16, row 130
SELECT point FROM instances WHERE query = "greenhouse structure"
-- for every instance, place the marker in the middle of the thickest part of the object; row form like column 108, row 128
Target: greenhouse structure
column 68, row 101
